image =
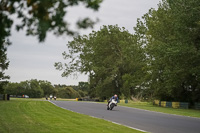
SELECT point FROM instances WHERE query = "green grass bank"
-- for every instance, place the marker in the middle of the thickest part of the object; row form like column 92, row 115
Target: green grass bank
column 36, row 116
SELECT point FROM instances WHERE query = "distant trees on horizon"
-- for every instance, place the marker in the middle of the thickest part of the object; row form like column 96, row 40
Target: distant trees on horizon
column 39, row 88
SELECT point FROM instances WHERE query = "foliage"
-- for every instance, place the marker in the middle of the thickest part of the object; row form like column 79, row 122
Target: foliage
column 83, row 89
column 6, row 24
column 82, row 93
column 33, row 89
column 160, row 60
column 42, row 16
column 30, row 88
column 47, row 88
column 171, row 39
column 83, row 86
column 41, row 88
column 67, row 92
column 11, row 88
column 38, row 17
column 107, row 56
column 3, row 64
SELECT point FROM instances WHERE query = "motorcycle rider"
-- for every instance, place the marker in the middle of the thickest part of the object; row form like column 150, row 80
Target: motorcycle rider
column 113, row 97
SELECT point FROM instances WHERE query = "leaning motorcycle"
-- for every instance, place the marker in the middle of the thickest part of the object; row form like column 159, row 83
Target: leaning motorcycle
column 112, row 104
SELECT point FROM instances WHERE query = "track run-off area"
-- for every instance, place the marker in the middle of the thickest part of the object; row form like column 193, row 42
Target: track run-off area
column 142, row 120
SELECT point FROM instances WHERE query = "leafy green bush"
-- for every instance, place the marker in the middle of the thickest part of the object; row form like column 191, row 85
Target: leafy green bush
column 67, row 92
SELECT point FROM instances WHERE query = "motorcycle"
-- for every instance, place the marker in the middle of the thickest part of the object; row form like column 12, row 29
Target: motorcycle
column 112, row 104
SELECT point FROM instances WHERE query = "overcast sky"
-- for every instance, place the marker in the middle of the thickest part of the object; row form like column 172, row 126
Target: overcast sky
column 32, row 60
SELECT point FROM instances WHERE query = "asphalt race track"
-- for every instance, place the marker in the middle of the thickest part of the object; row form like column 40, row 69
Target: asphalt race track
column 144, row 120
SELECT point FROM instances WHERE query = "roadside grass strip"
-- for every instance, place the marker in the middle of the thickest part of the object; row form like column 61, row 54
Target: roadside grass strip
column 35, row 116
column 150, row 107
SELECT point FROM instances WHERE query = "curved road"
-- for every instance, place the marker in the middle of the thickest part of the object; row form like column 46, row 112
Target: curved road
column 140, row 119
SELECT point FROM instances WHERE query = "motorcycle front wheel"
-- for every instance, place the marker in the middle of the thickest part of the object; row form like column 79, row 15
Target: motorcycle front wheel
column 112, row 106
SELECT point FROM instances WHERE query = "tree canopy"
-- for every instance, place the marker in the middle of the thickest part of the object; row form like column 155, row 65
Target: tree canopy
column 109, row 56
column 31, row 88
column 171, row 40
column 39, row 88
column 3, row 66
column 160, row 60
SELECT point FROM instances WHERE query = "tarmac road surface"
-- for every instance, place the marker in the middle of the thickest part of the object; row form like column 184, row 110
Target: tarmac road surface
column 136, row 118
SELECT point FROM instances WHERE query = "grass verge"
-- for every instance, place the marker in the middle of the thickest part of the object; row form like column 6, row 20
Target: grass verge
column 36, row 116
column 151, row 107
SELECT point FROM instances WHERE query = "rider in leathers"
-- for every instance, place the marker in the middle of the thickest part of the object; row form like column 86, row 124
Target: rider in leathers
column 113, row 97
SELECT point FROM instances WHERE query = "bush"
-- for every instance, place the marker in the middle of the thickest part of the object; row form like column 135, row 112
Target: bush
column 67, row 92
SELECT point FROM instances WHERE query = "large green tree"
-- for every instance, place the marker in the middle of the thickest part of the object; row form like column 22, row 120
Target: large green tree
column 171, row 39
column 109, row 56
column 47, row 88
column 3, row 66
column 12, row 88
column 67, row 92
column 30, row 87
